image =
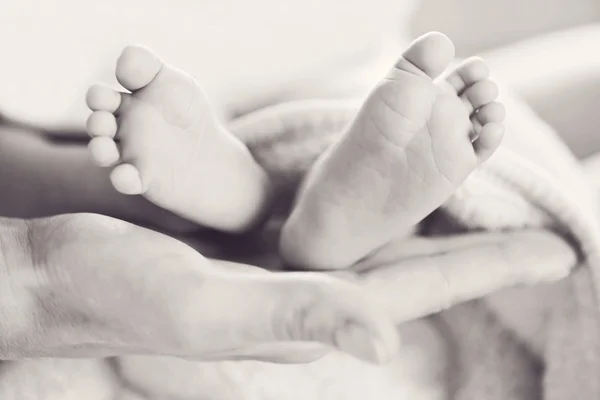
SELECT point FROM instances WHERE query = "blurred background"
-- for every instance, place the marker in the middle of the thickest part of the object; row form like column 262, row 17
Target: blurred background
column 480, row 25
column 539, row 48
column 250, row 53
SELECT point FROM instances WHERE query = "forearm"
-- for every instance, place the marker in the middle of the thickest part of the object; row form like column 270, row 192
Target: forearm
column 39, row 178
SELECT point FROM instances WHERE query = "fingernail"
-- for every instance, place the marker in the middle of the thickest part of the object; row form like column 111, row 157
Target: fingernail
column 359, row 343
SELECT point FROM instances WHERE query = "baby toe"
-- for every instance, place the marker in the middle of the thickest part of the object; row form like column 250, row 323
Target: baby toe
column 103, row 151
column 491, row 112
column 428, row 56
column 479, row 94
column 488, row 141
column 101, row 123
column 467, row 73
column 101, row 97
column 126, row 179
column 136, row 67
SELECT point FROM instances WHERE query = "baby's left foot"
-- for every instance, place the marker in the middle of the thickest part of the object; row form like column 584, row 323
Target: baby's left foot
column 412, row 144
column 172, row 149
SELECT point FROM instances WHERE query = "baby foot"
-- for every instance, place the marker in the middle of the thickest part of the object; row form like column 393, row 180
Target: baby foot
column 171, row 148
column 411, row 145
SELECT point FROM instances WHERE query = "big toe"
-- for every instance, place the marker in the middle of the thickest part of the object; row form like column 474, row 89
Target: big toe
column 136, row 67
column 428, row 56
column 126, row 179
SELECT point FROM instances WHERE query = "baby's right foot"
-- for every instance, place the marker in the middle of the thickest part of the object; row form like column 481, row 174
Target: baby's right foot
column 171, row 148
column 410, row 147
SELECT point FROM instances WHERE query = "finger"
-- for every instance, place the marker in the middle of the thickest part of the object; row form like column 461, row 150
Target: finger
column 420, row 286
column 283, row 353
column 404, row 248
column 239, row 314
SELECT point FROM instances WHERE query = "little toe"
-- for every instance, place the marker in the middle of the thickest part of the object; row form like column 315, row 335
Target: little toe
column 136, row 67
column 126, row 179
column 491, row 112
column 467, row 73
column 428, row 56
column 101, row 97
column 490, row 137
column 103, row 151
column 101, row 123
column 479, row 94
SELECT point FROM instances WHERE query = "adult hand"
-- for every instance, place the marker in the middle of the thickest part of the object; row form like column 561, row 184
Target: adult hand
column 420, row 276
column 412, row 276
column 88, row 285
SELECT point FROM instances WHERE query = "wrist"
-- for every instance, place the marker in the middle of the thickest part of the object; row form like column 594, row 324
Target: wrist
column 16, row 301
column 15, row 245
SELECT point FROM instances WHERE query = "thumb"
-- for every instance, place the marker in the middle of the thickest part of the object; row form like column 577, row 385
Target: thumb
column 236, row 315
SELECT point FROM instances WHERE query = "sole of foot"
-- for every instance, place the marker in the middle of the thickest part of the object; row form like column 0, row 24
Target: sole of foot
column 162, row 141
column 417, row 137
